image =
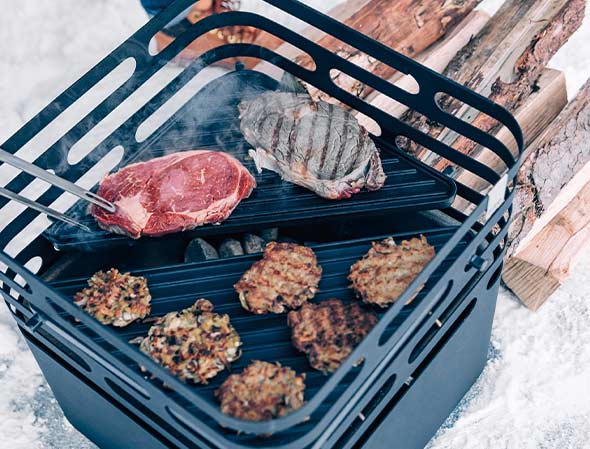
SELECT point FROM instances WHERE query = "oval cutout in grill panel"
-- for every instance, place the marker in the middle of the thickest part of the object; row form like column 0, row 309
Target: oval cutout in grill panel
column 435, row 328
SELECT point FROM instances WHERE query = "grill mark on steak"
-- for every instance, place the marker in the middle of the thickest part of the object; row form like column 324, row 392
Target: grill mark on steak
column 362, row 138
column 335, row 142
column 309, row 149
column 328, row 137
column 293, row 135
column 277, row 133
column 261, row 122
column 342, row 150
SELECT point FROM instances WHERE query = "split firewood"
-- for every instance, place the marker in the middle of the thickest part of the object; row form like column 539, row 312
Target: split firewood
column 407, row 26
column 551, row 223
column 537, row 111
column 546, row 256
column 560, row 152
column 503, row 62
column 534, row 116
column 436, row 57
column 341, row 12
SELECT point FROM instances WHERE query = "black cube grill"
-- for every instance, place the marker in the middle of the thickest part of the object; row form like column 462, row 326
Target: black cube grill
column 416, row 363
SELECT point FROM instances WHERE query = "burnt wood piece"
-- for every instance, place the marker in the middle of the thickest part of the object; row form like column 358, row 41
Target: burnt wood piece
column 253, row 244
column 503, row 62
column 270, row 234
column 199, row 250
column 230, row 248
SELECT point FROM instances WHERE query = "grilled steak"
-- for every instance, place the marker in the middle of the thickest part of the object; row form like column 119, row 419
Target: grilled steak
column 317, row 145
column 328, row 332
column 194, row 344
column 261, row 392
column 173, row 193
column 115, row 298
column 383, row 274
column 286, row 277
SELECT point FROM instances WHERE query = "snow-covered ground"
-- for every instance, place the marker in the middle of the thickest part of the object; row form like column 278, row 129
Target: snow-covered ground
column 535, row 391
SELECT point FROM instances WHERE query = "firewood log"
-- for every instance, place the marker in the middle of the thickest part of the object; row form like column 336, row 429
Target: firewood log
column 407, row 26
column 551, row 222
column 504, row 62
column 436, row 57
column 551, row 162
column 546, row 256
column 533, row 116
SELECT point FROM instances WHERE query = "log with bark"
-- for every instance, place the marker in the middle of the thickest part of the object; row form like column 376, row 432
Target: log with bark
column 560, row 152
column 533, row 116
column 407, row 26
column 436, row 57
column 504, row 62
column 547, row 255
column 551, row 223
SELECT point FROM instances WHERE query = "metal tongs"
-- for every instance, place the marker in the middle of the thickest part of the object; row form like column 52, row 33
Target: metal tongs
column 56, row 181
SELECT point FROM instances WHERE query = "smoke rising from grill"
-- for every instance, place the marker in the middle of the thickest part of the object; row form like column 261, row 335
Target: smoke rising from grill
column 201, row 114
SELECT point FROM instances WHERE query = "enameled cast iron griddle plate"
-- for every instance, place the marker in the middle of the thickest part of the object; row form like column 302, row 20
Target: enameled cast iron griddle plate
column 210, row 120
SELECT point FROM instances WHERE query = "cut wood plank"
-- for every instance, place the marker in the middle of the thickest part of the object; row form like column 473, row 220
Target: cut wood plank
column 545, row 259
column 538, row 110
column 436, row 57
column 552, row 161
column 534, row 116
column 407, row 26
column 504, row 62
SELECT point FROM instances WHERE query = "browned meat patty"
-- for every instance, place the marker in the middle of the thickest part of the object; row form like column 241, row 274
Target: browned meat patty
column 115, row 298
column 286, row 277
column 328, row 332
column 261, row 392
column 194, row 344
column 383, row 274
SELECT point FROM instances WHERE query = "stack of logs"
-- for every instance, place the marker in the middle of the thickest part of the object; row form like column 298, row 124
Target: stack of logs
column 503, row 57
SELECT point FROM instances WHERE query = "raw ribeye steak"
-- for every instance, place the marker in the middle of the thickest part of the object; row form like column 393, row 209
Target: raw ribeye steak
column 173, row 193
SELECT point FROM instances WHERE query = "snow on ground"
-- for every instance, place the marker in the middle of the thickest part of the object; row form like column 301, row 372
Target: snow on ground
column 535, row 391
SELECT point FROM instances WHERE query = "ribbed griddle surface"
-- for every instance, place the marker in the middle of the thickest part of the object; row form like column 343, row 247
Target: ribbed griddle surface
column 201, row 124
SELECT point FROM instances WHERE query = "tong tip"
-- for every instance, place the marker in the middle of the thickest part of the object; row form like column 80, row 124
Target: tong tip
column 101, row 202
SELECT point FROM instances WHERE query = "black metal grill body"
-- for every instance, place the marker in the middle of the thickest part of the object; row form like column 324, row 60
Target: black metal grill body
column 404, row 342
column 404, row 417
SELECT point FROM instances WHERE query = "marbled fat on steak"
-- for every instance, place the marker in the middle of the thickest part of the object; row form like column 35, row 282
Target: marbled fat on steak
column 173, row 193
